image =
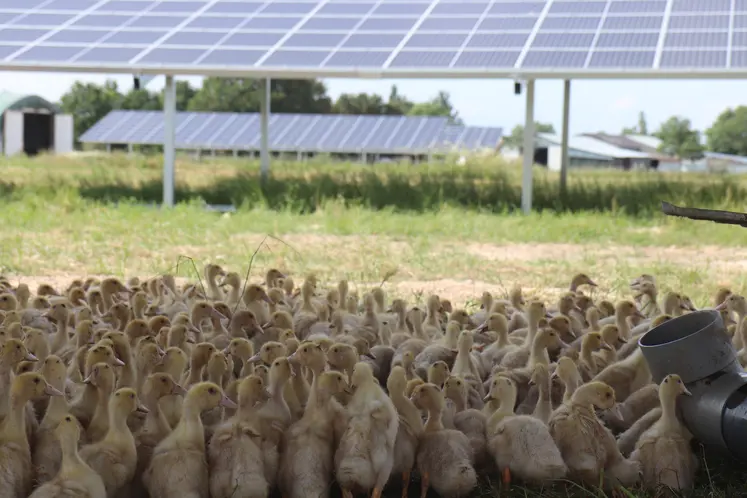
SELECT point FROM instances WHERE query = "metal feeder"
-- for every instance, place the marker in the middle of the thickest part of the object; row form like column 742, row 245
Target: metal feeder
column 697, row 347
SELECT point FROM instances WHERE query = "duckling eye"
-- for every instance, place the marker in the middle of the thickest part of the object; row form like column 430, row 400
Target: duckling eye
column 211, row 390
column 68, row 419
column 36, row 380
column 132, row 396
column 117, row 395
column 18, row 346
column 607, row 395
column 666, row 381
column 459, row 382
column 679, row 382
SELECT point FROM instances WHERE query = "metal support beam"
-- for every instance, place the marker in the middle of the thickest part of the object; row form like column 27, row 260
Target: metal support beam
column 169, row 140
column 564, row 157
column 264, row 123
column 526, row 177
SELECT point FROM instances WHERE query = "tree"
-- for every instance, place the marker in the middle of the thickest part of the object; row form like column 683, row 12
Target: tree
column 642, row 126
column 728, row 134
column 142, row 100
column 516, row 138
column 88, row 103
column 397, row 104
column 440, row 105
column 242, row 95
column 640, row 129
column 360, row 103
column 678, row 138
column 184, row 93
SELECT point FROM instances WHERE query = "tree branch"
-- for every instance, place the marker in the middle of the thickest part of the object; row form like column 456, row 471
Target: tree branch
column 725, row 217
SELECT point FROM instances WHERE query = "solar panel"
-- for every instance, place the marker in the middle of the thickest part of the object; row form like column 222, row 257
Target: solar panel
column 291, row 38
column 288, row 132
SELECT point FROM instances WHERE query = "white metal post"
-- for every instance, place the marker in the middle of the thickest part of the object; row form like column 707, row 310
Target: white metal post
column 526, row 177
column 564, row 157
column 169, row 140
column 264, row 123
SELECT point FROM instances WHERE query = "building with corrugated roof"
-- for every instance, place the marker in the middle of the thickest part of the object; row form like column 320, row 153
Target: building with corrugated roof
column 30, row 124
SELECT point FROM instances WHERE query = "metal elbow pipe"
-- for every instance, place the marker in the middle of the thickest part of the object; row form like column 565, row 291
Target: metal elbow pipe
column 697, row 347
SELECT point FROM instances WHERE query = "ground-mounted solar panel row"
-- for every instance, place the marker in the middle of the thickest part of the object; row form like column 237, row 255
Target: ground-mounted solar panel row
column 323, row 133
column 418, row 35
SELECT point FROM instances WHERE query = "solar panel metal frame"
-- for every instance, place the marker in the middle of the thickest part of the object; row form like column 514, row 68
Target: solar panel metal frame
column 530, row 62
column 148, row 126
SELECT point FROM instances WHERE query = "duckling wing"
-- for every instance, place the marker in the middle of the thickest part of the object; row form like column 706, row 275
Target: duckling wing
column 235, row 463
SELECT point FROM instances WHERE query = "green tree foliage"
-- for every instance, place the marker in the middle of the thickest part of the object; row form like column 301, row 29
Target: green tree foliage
column 516, row 138
column 728, row 134
column 88, row 103
column 678, row 138
column 440, row 105
column 640, row 129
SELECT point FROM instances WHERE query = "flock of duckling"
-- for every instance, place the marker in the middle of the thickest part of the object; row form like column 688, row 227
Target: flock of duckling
column 234, row 390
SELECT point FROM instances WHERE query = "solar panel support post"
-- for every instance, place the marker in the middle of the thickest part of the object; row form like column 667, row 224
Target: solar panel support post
column 169, row 139
column 528, row 159
column 564, row 157
column 264, row 120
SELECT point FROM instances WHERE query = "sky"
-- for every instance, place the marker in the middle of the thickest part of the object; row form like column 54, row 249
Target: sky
column 596, row 105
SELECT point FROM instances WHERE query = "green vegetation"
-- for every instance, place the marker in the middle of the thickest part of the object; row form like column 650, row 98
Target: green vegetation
column 446, row 229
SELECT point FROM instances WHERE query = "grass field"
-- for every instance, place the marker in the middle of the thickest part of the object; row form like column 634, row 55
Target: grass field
column 446, row 229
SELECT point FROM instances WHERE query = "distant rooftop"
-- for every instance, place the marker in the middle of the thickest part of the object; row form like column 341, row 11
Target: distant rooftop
column 591, row 146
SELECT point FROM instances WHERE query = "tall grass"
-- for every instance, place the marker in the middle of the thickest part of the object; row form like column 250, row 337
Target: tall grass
column 484, row 184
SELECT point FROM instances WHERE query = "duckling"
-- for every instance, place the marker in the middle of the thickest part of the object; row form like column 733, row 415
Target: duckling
column 115, row 456
column 363, row 462
column 15, row 453
column 178, row 467
column 494, row 353
column 46, row 453
column 307, row 314
column 236, row 466
column 567, row 371
column 587, row 362
column 156, row 426
column 274, row 417
column 520, row 444
column 409, row 430
column 626, row 376
column 59, row 313
column 75, row 479
column 103, row 379
column 307, row 462
column 541, row 378
column 518, row 357
column 174, row 363
column 467, row 420
column 212, row 273
column 444, row 350
column 444, row 457
column 587, row 446
column 664, row 451
column 257, row 301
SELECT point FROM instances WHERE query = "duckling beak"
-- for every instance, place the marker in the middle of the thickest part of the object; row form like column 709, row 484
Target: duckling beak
column 31, row 357
column 369, row 355
column 554, row 375
column 267, row 325
column 615, row 411
column 621, row 341
column 118, row 362
column 227, row 403
column 217, row 314
column 52, row 391
column 591, row 283
column 266, row 299
column 606, row 346
column 482, row 327
column 226, row 351
column 639, row 314
column 253, row 359
column 178, row 390
column 548, row 316
column 721, row 306
column 686, row 392
column 532, row 382
column 293, row 356
column 488, row 398
column 142, row 409
column 189, row 340
column 221, row 282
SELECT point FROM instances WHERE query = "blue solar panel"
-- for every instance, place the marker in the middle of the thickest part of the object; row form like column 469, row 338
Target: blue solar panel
column 288, row 132
column 344, row 37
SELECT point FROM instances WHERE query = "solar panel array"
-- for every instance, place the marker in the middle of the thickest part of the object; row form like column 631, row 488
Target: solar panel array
column 326, row 133
column 378, row 37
